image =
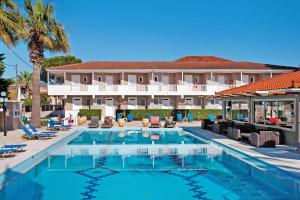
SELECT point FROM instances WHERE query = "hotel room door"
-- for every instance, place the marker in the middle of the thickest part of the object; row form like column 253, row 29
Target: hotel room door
column 188, row 79
column 165, row 83
column 75, row 82
column 131, row 79
column 109, row 107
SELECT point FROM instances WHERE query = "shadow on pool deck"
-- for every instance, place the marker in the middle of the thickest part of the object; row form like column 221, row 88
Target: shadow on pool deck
column 281, row 156
column 19, row 186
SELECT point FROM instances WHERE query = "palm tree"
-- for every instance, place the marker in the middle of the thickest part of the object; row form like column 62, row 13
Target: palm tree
column 25, row 78
column 43, row 32
column 11, row 23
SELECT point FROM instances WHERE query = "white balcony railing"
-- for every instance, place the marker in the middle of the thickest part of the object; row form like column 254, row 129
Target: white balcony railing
column 138, row 89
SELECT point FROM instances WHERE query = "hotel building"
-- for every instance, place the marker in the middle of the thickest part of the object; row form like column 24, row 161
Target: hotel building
column 187, row 83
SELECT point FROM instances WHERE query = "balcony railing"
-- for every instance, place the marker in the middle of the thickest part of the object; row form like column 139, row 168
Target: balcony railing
column 138, row 89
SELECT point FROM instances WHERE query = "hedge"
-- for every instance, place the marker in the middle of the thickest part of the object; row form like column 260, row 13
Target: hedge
column 89, row 113
column 198, row 114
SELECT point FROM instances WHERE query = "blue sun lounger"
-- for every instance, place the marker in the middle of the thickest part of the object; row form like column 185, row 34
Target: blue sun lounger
column 36, row 131
column 35, row 134
column 6, row 151
column 55, row 126
column 17, row 147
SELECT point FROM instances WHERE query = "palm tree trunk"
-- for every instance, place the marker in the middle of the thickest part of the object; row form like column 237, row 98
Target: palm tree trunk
column 36, row 112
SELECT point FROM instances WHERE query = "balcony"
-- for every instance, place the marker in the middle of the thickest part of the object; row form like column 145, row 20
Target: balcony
column 137, row 90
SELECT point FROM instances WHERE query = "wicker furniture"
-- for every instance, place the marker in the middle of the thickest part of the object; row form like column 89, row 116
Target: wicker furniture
column 264, row 139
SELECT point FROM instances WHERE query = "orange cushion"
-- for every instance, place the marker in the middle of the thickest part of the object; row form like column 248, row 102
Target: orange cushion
column 154, row 120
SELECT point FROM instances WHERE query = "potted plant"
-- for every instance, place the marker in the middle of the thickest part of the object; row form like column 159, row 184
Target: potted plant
column 121, row 122
column 81, row 118
column 145, row 122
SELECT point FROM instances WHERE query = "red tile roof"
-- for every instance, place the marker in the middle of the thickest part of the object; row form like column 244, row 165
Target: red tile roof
column 202, row 59
column 278, row 82
column 189, row 62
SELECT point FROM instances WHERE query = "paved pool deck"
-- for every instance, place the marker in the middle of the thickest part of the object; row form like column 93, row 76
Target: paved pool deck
column 32, row 148
column 281, row 156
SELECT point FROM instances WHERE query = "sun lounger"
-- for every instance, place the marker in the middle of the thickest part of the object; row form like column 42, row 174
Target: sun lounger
column 169, row 123
column 94, row 122
column 107, row 123
column 17, row 147
column 35, row 135
column 54, row 126
column 35, row 130
column 155, row 123
column 4, row 152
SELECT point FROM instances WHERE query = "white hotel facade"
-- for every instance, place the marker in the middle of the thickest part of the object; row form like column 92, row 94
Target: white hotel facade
column 187, row 83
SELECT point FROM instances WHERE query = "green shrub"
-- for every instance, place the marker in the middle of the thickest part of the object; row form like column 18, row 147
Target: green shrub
column 203, row 113
column 198, row 114
column 89, row 113
column 44, row 122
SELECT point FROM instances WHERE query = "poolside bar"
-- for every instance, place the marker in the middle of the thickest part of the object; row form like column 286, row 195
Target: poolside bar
column 272, row 104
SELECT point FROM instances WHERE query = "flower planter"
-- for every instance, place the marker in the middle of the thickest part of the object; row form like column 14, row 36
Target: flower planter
column 82, row 119
column 121, row 122
column 145, row 122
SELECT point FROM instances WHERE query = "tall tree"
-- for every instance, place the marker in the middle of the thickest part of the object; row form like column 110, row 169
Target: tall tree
column 25, row 78
column 43, row 32
column 11, row 23
column 4, row 83
column 57, row 61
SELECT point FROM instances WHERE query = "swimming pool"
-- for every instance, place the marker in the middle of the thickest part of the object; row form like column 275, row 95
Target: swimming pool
column 145, row 164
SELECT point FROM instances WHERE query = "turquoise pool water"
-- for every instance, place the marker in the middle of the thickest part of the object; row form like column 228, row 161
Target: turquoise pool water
column 130, row 165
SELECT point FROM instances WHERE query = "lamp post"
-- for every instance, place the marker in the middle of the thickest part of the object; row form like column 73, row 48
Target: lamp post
column 3, row 102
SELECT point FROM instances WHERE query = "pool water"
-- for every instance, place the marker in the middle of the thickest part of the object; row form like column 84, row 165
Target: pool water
column 188, row 173
column 134, row 137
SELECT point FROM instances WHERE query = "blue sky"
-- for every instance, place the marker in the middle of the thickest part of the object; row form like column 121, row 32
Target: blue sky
column 265, row 31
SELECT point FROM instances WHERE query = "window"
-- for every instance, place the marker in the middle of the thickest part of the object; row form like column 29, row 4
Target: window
column 198, row 102
column 271, row 117
column 220, row 102
column 99, row 102
column 85, row 79
column 275, row 113
column 189, row 101
column 197, row 79
column 286, row 116
column 239, row 110
column 99, row 78
column 141, row 79
column 259, row 113
column 155, row 101
column 252, row 79
column 155, row 78
column 212, row 101
column 143, row 102
column 88, row 102
column 132, row 101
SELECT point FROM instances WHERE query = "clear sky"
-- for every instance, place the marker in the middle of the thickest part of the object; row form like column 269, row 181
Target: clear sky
column 265, row 31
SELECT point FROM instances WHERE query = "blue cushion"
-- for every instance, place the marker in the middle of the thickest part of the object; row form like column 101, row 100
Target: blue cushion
column 179, row 117
column 119, row 116
column 211, row 117
column 129, row 117
column 149, row 116
column 190, row 117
